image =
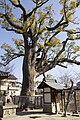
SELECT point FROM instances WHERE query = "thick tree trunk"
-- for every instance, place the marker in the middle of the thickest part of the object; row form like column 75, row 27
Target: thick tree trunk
column 28, row 79
column 27, row 84
column 29, row 73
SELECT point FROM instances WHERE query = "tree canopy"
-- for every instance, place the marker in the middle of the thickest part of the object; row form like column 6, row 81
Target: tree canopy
column 41, row 45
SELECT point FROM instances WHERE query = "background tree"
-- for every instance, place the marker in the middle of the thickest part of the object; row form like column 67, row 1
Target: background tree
column 39, row 45
column 66, row 79
column 70, row 79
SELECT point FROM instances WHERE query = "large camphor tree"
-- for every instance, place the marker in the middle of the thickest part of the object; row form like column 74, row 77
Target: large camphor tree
column 40, row 45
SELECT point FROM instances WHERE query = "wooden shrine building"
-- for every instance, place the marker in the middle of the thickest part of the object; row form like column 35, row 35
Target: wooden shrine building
column 53, row 100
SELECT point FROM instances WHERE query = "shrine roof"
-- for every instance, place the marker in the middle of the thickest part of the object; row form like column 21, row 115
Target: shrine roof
column 7, row 75
column 52, row 84
column 3, row 74
column 12, row 77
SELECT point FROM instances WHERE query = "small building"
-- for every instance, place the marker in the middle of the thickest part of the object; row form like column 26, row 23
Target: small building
column 9, row 84
column 52, row 95
column 3, row 75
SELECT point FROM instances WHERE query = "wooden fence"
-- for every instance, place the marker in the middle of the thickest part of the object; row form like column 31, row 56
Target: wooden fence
column 34, row 101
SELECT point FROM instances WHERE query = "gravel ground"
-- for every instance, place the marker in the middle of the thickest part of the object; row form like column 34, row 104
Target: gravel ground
column 39, row 115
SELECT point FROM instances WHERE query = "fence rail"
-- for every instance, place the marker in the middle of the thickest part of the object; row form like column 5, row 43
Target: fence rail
column 34, row 101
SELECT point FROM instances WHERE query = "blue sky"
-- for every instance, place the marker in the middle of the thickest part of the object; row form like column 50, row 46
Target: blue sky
column 7, row 37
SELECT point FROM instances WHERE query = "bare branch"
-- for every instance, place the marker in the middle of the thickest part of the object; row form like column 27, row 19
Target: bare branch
column 53, row 35
column 11, row 57
column 13, row 53
column 13, row 30
column 54, row 62
column 1, row 15
column 56, row 26
column 37, row 6
column 61, row 22
column 69, row 61
column 20, row 6
column 65, row 16
column 12, row 23
column 9, row 60
column 62, row 65
column 16, row 5
column 63, row 49
column 38, row 2
column 72, row 32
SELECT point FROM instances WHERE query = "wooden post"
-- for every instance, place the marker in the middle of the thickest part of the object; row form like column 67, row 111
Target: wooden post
column 62, row 101
column 55, row 105
column 64, row 105
column 75, row 111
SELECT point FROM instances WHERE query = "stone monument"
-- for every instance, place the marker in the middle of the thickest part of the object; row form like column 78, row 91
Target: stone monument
column 7, row 108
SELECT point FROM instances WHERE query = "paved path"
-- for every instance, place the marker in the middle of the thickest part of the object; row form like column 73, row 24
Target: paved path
column 38, row 115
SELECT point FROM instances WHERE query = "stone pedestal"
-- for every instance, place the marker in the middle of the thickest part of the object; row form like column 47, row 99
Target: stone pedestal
column 47, row 108
column 9, row 110
column 50, row 108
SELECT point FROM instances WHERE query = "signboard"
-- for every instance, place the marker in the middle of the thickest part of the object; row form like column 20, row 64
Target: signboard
column 47, row 89
column 47, row 98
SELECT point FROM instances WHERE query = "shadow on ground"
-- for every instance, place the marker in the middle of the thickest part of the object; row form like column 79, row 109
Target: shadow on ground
column 32, row 113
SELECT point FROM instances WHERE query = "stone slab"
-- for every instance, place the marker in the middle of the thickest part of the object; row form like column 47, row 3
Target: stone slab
column 6, row 111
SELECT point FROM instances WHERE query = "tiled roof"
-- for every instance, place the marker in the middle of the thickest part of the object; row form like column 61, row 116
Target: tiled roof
column 12, row 77
column 52, row 84
column 3, row 74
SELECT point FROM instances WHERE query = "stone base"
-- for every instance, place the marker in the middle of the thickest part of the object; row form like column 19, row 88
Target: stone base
column 51, row 108
column 47, row 108
column 9, row 110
